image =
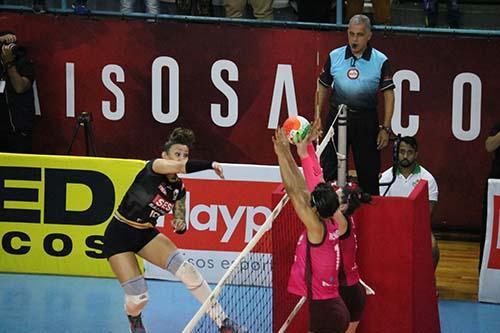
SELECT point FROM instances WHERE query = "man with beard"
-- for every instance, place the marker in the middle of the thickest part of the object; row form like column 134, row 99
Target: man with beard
column 408, row 173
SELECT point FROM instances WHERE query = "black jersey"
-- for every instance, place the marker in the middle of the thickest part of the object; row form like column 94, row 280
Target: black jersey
column 150, row 196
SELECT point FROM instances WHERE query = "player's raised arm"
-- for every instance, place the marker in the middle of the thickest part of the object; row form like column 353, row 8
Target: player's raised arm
column 296, row 188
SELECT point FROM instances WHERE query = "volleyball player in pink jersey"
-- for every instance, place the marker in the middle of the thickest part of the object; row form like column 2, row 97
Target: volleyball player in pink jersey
column 352, row 292
column 314, row 273
column 351, row 196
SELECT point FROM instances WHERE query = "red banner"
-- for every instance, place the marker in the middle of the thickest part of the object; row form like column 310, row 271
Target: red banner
column 218, row 217
column 233, row 84
column 494, row 259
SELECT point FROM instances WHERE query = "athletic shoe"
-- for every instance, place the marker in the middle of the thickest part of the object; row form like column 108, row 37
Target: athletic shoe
column 229, row 326
column 136, row 324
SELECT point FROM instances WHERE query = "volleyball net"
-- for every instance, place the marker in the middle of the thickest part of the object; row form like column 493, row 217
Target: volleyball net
column 245, row 293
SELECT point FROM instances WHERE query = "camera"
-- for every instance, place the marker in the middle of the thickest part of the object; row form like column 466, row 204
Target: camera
column 14, row 49
column 84, row 118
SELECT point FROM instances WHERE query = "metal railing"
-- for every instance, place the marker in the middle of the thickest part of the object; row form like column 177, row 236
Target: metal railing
column 66, row 9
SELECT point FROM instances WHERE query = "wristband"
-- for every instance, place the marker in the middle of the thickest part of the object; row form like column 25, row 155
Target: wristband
column 198, row 165
column 387, row 129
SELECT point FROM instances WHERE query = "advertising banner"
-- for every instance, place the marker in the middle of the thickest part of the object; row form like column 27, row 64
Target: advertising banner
column 54, row 210
column 489, row 278
column 233, row 85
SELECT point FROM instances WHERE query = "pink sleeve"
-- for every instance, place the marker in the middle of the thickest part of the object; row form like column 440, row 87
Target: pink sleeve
column 312, row 170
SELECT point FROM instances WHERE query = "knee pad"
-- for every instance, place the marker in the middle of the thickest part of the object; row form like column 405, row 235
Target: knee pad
column 135, row 303
column 184, row 270
column 136, row 295
column 189, row 275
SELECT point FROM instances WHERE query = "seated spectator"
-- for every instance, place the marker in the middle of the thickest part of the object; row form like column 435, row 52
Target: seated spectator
column 409, row 172
column 152, row 6
column 431, row 9
column 262, row 9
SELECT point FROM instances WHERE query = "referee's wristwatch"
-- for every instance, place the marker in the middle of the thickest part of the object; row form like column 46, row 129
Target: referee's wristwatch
column 387, row 129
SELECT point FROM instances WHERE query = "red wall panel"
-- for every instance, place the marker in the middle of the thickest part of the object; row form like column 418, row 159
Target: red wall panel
column 91, row 45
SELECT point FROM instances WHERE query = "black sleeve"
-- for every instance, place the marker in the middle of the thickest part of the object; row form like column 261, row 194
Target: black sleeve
column 326, row 78
column 25, row 67
column 386, row 77
column 198, row 165
column 495, row 129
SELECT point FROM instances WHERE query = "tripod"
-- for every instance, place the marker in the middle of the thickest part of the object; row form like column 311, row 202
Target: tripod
column 85, row 120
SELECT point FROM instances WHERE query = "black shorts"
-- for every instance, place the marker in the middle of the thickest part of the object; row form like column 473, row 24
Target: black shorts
column 328, row 316
column 120, row 237
column 354, row 298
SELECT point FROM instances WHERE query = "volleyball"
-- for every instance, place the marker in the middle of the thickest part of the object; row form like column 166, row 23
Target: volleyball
column 296, row 128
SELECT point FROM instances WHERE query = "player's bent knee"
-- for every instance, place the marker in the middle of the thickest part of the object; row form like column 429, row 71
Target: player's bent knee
column 184, row 270
column 189, row 275
column 136, row 295
column 135, row 303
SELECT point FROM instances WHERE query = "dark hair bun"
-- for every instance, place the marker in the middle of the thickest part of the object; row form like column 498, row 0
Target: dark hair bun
column 181, row 136
column 354, row 197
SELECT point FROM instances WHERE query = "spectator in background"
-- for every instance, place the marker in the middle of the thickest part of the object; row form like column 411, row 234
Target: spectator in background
column 409, row 172
column 194, row 7
column 262, row 9
column 353, row 75
column 17, row 103
column 492, row 145
column 381, row 10
column 152, row 6
column 39, row 6
column 80, row 7
column 431, row 9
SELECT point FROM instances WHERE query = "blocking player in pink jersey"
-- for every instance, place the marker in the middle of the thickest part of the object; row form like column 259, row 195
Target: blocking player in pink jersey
column 314, row 273
column 352, row 292
column 350, row 196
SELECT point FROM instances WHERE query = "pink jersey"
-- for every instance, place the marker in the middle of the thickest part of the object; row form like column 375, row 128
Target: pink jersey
column 312, row 169
column 325, row 263
column 313, row 175
column 349, row 273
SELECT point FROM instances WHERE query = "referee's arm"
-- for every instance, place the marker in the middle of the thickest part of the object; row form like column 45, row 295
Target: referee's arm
column 387, row 87
column 323, row 89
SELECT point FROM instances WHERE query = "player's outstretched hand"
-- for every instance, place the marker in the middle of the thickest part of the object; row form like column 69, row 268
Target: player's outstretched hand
column 280, row 141
column 218, row 169
column 313, row 134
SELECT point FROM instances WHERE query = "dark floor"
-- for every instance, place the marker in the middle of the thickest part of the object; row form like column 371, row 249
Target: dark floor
column 404, row 13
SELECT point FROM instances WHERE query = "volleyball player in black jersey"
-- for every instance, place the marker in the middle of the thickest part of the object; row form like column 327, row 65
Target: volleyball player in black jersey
column 156, row 191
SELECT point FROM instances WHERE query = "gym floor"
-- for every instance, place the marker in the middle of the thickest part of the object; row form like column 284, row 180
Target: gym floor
column 49, row 303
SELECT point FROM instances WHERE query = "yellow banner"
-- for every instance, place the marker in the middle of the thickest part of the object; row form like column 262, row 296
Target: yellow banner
column 54, row 210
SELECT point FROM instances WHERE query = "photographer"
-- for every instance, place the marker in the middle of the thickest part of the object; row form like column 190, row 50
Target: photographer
column 17, row 106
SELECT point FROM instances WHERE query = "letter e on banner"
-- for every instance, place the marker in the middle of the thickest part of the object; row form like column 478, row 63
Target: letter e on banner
column 494, row 259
